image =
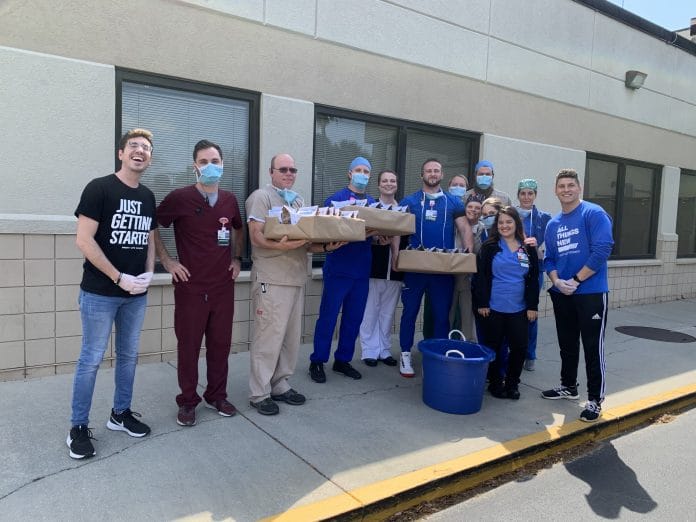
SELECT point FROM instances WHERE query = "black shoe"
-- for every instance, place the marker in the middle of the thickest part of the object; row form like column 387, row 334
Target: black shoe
column 497, row 390
column 561, row 392
column 127, row 422
column 266, row 407
column 513, row 393
column 370, row 362
column 592, row 412
column 389, row 361
column 346, row 369
column 290, row 397
column 79, row 442
column 316, row 372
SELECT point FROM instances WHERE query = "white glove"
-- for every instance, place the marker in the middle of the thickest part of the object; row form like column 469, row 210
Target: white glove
column 565, row 287
column 142, row 282
column 145, row 278
column 127, row 282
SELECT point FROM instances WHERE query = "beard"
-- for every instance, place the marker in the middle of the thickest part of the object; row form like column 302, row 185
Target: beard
column 432, row 182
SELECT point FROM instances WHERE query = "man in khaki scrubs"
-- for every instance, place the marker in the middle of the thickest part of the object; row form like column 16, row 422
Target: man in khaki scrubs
column 278, row 277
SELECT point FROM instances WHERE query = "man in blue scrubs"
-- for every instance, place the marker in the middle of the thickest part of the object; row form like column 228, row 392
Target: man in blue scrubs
column 346, row 282
column 435, row 212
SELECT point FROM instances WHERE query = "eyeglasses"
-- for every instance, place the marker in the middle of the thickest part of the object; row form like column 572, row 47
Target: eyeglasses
column 134, row 145
column 285, row 170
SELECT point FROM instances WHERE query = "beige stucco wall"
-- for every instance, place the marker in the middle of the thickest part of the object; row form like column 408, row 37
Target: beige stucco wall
column 541, row 80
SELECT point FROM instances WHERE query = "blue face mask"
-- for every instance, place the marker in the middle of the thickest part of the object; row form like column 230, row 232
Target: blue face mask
column 428, row 195
column 210, row 174
column 289, row 196
column 524, row 212
column 359, row 180
column 487, row 221
column 483, row 181
column 457, row 191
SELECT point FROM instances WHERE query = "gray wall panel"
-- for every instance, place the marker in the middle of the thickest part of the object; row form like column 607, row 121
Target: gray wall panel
column 563, row 30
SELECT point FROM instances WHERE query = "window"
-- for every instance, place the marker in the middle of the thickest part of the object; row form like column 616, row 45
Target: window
column 180, row 113
column 403, row 146
column 686, row 214
column 629, row 192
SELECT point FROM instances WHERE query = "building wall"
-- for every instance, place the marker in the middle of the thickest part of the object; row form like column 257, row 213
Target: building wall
column 541, row 80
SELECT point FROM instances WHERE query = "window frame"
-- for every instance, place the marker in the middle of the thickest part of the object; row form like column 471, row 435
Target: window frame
column 617, row 222
column 402, row 127
column 692, row 254
column 197, row 87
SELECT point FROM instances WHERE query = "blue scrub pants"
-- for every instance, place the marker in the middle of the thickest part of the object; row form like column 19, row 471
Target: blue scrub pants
column 440, row 288
column 534, row 326
column 339, row 293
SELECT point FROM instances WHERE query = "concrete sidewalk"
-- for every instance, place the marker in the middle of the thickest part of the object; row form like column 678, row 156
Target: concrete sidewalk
column 352, row 443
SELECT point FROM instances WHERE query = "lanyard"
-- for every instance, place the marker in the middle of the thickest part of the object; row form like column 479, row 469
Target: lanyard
column 444, row 218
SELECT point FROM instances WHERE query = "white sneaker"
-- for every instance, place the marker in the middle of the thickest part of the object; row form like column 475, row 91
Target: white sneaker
column 405, row 368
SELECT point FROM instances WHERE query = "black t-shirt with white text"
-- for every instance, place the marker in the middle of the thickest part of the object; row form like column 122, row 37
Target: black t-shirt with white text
column 126, row 216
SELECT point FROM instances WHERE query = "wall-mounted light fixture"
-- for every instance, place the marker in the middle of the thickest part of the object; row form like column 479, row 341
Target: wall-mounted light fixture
column 635, row 79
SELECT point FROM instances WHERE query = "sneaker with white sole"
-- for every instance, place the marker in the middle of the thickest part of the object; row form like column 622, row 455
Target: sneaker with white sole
column 405, row 367
column 127, row 422
column 79, row 442
column 561, row 392
column 592, row 412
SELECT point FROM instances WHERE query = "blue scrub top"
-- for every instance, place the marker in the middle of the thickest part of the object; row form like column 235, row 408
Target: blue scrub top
column 354, row 259
column 434, row 219
column 509, row 272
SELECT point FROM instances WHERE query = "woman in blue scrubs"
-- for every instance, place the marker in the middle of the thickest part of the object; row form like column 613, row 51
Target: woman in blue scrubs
column 507, row 294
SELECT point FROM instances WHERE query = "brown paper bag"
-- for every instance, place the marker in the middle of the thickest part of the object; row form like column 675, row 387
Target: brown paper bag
column 435, row 262
column 317, row 229
column 386, row 222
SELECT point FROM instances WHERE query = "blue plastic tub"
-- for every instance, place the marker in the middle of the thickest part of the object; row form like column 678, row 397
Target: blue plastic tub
column 452, row 383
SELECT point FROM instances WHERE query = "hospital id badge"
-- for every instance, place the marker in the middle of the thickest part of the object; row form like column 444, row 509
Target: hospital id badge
column 431, row 215
column 523, row 259
column 223, row 235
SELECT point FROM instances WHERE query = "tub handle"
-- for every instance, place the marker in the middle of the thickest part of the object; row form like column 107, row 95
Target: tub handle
column 461, row 334
column 457, row 352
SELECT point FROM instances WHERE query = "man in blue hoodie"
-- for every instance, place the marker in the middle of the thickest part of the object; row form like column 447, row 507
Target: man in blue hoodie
column 578, row 243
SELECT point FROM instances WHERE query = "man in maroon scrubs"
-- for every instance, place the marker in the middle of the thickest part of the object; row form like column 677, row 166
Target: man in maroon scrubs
column 209, row 262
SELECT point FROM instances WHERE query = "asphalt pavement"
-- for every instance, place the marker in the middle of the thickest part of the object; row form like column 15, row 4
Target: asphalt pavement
column 353, row 444
column 644, row 475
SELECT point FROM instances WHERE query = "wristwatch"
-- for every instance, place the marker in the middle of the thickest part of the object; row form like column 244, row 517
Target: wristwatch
column 576, row 278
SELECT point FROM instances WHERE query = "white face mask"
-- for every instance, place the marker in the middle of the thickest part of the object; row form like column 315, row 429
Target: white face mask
column 523, row 212
column 428, row 195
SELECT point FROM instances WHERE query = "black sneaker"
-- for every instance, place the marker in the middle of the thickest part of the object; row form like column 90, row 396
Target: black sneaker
column 316, row 372
column 127, row 422
column 79, row 442
column 512, row 392
column 561, row 392
column 370, row 362
column 389, row 361
column 266, row 407
column 290, row 397
column 497, row 390
column 592, row 412
column 346, row 369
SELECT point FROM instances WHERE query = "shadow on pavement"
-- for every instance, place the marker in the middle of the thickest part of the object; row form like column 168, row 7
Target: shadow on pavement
column 614, row 484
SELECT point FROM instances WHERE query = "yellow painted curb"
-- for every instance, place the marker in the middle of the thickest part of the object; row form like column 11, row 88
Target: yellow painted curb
column 470, row 470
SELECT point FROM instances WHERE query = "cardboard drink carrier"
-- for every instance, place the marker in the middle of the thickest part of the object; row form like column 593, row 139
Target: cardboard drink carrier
column 436, row 261
column 317, row 229
column 386, row 222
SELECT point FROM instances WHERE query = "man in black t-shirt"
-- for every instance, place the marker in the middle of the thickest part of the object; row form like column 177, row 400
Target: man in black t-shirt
column 115, row 229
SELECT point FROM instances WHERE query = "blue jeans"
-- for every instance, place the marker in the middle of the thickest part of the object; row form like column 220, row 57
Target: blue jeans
column 98, row 313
